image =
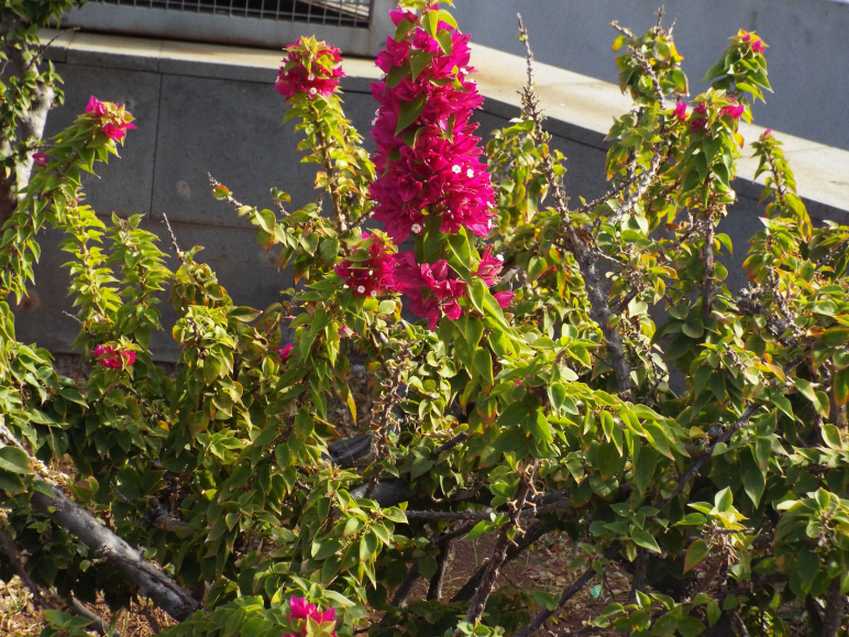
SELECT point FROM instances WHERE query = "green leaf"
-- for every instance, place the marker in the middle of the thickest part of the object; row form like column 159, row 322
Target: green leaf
column 432, row 22
column 368, row 547
column 831, row 436
column 541, row 428
column 644, row 539
column 482, row 362
column 723, row 500
column 840, row 386
column 403, row 29
column 696, row 553
column 419, row 61
column 322, row 549
column 14, row 460
column 409, row 113
column 753, row 480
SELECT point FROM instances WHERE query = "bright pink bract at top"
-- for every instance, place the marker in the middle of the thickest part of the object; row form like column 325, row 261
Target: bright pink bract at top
column 310, row 68
column 429, row 167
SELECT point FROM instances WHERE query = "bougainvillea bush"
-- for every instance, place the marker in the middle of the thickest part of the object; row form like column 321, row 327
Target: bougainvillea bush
column 468, row 352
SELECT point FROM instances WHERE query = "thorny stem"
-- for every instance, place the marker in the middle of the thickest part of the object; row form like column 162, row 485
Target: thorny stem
column 332, row 182
column 173, row 236
column 580, row 244
column 502, row 544
column 710, row 269
column 834, row 605
column 533, row 534
column 406, row 586
column 434, row 590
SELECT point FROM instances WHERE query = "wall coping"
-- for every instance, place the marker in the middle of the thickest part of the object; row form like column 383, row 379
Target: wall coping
column 584, row 105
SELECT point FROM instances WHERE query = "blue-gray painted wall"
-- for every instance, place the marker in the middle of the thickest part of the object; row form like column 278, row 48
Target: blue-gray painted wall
column 808, row 54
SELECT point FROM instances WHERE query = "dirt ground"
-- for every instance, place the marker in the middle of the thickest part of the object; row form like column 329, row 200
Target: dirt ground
column 548, row 567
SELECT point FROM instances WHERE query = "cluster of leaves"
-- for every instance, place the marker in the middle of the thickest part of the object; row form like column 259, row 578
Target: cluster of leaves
column 704, row 455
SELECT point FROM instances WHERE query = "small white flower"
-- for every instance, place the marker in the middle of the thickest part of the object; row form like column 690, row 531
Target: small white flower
column 370, row 272
column 456, row 169
column 416, row 228
column 345, row 286
column 311, row 77
column 374, row 293
column 470, row 173
column 500, row 257
column 313, row 91
column 361, row 289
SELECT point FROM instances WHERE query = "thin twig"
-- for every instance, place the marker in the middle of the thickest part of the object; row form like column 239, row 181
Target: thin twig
column 72, row 317
column 13, row 554
column 697, row 465
column 96, row 620
column 173, row 236
column 568, row 593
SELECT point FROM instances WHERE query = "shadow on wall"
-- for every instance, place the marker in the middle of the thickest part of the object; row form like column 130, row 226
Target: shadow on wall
column 808, row 56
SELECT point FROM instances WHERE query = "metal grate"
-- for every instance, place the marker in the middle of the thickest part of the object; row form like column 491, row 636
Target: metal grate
column 343, row 13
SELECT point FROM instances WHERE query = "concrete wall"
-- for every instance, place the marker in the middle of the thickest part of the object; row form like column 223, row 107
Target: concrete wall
column 808, row 54
column 199, row 117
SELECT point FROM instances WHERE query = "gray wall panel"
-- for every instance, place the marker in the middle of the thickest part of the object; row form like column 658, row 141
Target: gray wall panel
column 808, row 54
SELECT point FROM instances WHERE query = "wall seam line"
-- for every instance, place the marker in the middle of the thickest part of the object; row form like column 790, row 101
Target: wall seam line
column 156, row 143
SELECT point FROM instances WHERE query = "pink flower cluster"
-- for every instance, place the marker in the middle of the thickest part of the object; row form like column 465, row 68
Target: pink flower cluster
column 114, row 121
column 430, row 172
column 430, row 166
column 755, row 42
column 373, row 274
column 431, row 290
column 301, row 610
column 733, row 111
column 698, row 121
column 489, row 270
column 111, row 357
column 285, row 351
column 310, row 68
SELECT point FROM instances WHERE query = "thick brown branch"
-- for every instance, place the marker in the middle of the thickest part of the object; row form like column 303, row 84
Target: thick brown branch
column 150, row 579
column 30, row 125
column 13, row 554
column 834, row 615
